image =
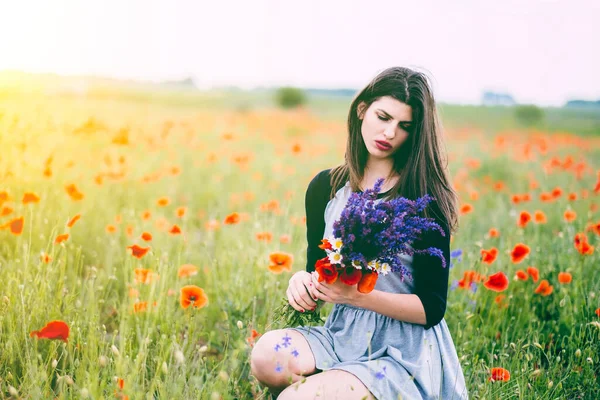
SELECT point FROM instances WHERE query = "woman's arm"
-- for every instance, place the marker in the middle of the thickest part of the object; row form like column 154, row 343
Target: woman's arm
column 403, row 307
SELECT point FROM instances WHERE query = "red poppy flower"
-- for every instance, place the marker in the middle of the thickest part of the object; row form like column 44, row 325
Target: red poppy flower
column 325, row 244
column 192, row 295
column 497, row 282
column 327, row 271
column 522, row 275
column 489, row 256
column 367, row 282
column 524, row 218
column 499, row 374
column 53, row 330
column 564, row 277
column 350, row 275
column 534, row 273
column 544, row 288
column 519, row 252
column 137, row 251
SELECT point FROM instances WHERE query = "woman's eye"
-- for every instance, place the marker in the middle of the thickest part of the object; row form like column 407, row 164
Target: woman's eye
column 382, row 118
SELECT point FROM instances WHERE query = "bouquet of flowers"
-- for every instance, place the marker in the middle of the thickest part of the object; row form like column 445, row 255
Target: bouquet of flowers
column 367, row 241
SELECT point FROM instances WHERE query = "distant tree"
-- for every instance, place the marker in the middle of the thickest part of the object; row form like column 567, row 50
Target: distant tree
column 529, row 114
column 289, row 97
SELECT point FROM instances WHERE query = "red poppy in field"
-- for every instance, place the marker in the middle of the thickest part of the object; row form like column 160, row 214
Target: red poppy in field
column 546, row 197
column 499, row 374
column 163, row 201
column 597, row 186
column 519, row 252
column 497, row 282
column 15, row 226
column 110, row 228
column 524, row 218
column 327, row 271
column 45, row 258
column 6, row 210
column 137, row 251
column 143, row 275
column 73, row 220
column 522, row 275
column 597, row 312
column 30, row 197
column 187, row 270
column 146, row 215
column 175, row 230
column 556, row 192
column 147, row 236
column 232, row 218
column 534, row 273
column 280, row 261
column 253, row 335
column 539, row 217
column 564, row 277
column 192, row 295
column 466, row 208
column 53, row 330
column 73, row 192
column 489, row 256
column 350, row 275
column 572, row 196
column 544, row 288
column 494, row 233
column 61, row 238
column 570, row 215
column 140, row 306
column 582, row 245
column 266, row 236
column 180, row 212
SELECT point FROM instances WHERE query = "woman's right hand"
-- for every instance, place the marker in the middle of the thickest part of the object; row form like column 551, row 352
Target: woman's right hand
column 301, row 293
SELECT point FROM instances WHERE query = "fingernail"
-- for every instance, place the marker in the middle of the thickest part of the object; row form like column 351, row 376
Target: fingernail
column 301, row 310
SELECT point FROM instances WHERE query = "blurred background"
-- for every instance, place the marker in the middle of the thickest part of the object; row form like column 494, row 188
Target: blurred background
column 492, row 63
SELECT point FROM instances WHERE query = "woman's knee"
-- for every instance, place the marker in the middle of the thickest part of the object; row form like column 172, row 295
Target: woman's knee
column 279, row 355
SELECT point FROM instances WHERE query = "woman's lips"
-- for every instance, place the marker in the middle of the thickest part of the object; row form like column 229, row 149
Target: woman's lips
column 382, row 146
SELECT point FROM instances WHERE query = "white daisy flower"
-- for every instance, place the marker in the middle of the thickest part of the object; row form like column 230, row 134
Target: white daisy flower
column 335, row 257
column 384, row 268
column 373, row 265
column 356, row 264
column 336, row 244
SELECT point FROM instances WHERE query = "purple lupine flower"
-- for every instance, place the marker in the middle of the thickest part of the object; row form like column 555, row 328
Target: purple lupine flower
column 277, row 347
column 295, row 353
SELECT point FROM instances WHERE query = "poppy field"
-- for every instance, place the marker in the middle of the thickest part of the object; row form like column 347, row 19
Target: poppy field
column 145, row 245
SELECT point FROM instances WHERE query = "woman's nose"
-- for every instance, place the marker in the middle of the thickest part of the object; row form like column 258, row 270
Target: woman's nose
column 390, row 132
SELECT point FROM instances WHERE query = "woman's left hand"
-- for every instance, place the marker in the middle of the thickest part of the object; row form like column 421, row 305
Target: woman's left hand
column 338, row 292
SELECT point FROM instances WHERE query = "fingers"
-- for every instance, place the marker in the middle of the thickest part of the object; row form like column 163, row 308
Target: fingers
column 310, row 286
column 301, row 296
column 292, row 301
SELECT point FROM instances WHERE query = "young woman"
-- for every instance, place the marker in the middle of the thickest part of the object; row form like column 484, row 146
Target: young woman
column 391, row 343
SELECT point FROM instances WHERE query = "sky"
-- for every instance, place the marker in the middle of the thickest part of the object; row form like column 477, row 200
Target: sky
column 540, row 51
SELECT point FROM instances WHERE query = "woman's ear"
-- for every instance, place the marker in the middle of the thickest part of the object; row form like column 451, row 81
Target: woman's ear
column 361, row 109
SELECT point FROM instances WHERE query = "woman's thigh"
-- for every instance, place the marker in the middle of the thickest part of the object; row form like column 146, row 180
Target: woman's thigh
column 282, row 355
column 330, row 384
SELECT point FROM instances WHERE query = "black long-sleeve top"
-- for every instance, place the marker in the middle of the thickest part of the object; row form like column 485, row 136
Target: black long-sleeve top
column 430, row 277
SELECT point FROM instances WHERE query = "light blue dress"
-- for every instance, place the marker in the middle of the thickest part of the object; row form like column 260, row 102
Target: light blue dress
column 392, row 358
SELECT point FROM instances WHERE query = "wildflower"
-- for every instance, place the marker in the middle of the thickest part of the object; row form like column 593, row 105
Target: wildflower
column 53, row 330
column 497, row 282
column 499, row 374
column 192, row 295
column 280, row 261
column 519, row 252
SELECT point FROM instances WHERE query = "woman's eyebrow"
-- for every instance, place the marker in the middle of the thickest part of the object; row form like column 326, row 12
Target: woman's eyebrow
column 401, row 122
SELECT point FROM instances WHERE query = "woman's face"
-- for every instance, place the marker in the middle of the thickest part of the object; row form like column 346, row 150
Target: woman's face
column 387, row 120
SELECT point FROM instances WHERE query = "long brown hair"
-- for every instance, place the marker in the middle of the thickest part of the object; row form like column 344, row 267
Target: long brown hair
column 419, row 160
